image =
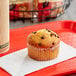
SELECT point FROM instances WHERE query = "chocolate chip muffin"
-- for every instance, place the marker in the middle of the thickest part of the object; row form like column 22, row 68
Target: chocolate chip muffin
column 43, row 45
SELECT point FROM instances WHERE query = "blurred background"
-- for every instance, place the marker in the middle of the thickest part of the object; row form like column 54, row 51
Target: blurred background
column 69, row 14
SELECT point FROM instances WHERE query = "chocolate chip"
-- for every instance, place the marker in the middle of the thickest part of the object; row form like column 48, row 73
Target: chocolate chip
column 42, row 37
column 54, row 35
column 53, row 43
column 39, row 44
column 34, row 32
column 48, row 30
column 57, row 36
column 51, row 47
column 51, row 34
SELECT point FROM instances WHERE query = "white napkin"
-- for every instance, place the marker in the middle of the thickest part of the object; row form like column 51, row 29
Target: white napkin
column 19, row 64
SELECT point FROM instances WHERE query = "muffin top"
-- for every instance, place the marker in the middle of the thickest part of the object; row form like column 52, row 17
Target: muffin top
column 43, row 38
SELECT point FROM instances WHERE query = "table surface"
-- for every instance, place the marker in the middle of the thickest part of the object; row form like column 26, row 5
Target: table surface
column 18, row 40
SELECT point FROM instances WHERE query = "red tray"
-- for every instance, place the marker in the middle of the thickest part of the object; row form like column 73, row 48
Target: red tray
column 67, row 33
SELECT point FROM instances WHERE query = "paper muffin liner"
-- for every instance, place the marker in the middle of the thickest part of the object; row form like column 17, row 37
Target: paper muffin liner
column 40, row 49
column 42, row 54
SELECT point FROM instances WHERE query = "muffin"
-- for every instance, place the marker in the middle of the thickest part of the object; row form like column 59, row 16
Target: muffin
column 43, row 45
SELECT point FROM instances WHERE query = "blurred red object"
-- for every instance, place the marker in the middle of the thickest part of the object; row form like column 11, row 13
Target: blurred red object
column 17, row 12
column 53, row 12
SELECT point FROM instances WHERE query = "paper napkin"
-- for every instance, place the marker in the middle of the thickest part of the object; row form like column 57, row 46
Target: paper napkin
column 19, row 64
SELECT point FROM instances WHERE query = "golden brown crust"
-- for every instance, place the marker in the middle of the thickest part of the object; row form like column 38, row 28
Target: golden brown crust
column 43, row 38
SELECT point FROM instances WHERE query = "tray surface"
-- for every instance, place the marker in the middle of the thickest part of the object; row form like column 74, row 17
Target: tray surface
column 21, row 64
column 67, row 33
